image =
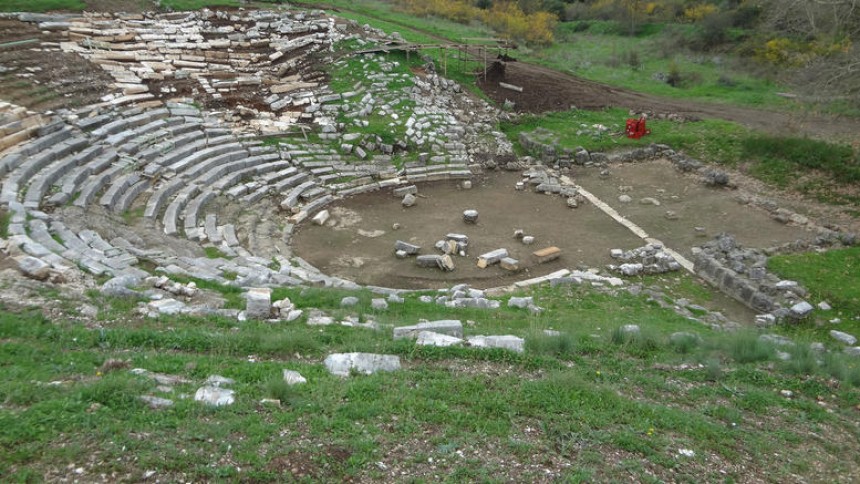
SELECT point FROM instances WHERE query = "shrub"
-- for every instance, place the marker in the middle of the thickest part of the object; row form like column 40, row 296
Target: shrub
column 712, row 32
column 562, row 346
column 633, row 60
column 713, row 370
column 674, row 78
column 803, row 361
column 747, row 348
column 685, row 343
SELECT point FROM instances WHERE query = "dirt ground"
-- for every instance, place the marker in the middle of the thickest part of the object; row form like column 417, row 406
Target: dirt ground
column 45, row 80
column 715, row 210
column 585, row 235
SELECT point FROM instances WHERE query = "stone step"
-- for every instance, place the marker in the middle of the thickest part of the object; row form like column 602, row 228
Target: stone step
column 170, row 221
column 127, row 199
column 55, row 171
column 77, row 177
column 160, row 197
column 203, row 154
column 95, row 183
column 292, row 198
column 189, row 215
column 117, row 188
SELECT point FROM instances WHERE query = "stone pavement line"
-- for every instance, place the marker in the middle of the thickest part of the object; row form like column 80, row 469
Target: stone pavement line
column 637, row 230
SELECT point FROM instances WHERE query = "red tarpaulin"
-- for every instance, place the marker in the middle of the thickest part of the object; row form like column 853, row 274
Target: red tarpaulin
column 636, row 128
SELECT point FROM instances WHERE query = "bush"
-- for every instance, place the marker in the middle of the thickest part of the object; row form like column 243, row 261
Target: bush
column 712, row 32
column 633, row 60
column 561, row 346
column 278, row 389
column 685, row 343
column 803, row 361
column 674, row 78
column 747, row 348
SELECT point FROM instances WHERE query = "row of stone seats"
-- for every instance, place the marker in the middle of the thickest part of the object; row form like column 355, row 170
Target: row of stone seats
column 100, row 170
column 65, row 142
column 17, row 124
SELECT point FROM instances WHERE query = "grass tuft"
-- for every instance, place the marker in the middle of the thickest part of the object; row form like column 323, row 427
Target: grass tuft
column 748, row 348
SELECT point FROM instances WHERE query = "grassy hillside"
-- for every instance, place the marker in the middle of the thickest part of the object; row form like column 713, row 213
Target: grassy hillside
column 592, row 404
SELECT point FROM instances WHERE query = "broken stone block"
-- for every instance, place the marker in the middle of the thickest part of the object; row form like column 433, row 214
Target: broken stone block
column 492, row 257
column 321, row 218
column 547, row 254
column 379, row 304
column 408, row 200
column 510, row 264
column 842, row 337
column 292, row 377
column 450, row 327
column 258, row 303
column 156, row 403
column 443, row 262
column 631, row 269
column 470, row 216
column 429, row 338
column 167, row 306
column 508, row 342
column 520, row 302
column 403, row 191
column 319, row 318
column 410, row 249
column 528, row 239
column 401, row 254
column 215, row 396
column 348, row 301
column 801, row 309
column 341, row 364
column 33, row 267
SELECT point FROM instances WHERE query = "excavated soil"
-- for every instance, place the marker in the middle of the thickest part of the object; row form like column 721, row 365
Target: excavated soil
column 351, row 250
column 45, row 80
column 549, row 90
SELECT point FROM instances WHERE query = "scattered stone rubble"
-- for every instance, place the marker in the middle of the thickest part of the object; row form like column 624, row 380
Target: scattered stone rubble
column 647, row 260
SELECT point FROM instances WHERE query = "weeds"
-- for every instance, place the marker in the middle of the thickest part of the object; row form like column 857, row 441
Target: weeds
column 748, row 348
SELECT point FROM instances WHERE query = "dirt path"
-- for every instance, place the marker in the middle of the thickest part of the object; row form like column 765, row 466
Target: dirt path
column 550, row 90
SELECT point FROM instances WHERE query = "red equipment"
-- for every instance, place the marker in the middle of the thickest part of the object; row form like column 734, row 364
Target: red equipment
column 636, row 128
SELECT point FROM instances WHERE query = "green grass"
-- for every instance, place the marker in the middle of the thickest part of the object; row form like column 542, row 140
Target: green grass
column 829, row 276
column 590, row 391
column 196, row 4
column 782, row 159
column 213, row 252
column 41, row 5
column 130, row 217
column 233, row 296
column 709, row 140
column 5, row 220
